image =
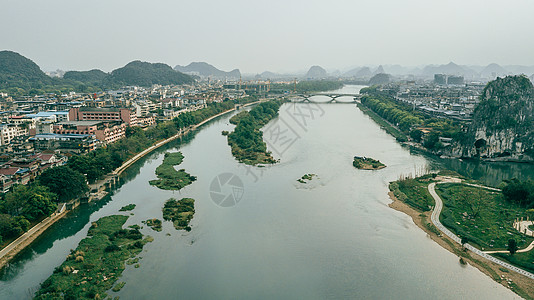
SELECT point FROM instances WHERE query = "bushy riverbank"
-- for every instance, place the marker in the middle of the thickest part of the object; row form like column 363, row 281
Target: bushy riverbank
column 96, row 264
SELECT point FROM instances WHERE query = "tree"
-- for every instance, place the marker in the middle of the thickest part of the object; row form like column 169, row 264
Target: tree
column 31, row 202
column 512, row 246
column 64, row 182
column 465, row 240
column 416, row 135
column 40, row 203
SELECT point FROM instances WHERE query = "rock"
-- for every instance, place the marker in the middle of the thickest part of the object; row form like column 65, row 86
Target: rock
column 503, row 121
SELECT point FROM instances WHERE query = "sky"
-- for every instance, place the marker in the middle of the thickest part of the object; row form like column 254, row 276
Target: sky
column 275, row 35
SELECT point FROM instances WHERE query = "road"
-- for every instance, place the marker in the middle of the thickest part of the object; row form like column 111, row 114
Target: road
column 435, row 220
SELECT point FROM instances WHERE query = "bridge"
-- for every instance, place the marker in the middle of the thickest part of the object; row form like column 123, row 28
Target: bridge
column 303, row 98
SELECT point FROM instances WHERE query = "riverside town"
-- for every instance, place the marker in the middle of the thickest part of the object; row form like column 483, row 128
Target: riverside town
column 295, row 150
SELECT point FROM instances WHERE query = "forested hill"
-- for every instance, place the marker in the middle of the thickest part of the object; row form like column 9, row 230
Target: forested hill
column 92, row 76
column 207, row 70
column 17, row 71
column 21, row 76
column 503, row 121
column 146, row 74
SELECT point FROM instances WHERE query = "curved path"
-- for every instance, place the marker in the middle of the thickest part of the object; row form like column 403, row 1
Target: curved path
column 435, row 219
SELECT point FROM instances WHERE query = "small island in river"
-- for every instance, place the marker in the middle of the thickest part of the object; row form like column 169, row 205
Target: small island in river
column 306, row 178
column 169, row 178
column 180, row 212
column 367, row 163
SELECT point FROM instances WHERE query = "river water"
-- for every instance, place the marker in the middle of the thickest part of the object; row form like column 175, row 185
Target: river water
column 334, row 237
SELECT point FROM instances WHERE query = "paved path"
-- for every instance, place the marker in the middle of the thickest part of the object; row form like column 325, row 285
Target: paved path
column 9, row 251
column 528, row 248
column 435, row 219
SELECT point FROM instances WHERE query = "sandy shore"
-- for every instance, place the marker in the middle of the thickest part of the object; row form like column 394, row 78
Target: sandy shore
column 506, row 278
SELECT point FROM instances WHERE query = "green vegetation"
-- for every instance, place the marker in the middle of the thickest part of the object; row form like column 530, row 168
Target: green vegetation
column 155, row 224
column 505, row 108
column 26, row 205
column 367, row 163
column 524, row 260
column 146, row 74
column 96, row 164
column 65, row 182
column 519, row 192
column 128, row 207
column 118, row 286
column 169, row 178
column 21, row 76
column 180, row 212
column 246, row 140
column 225, row 132
column 414, row 192
column 481, row 215
column 394, row 131
column 96, row 264
column 306, row 86
column 410, row 122
column 306, row 177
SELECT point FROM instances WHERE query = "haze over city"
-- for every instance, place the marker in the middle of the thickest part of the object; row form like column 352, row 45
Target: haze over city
column 279, row 36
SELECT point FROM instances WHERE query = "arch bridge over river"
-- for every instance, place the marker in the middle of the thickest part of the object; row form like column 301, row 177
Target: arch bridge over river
column 306, row 98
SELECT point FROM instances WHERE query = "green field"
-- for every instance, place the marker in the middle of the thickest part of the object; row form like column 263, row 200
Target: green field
column 480, row 215
column 414, row 192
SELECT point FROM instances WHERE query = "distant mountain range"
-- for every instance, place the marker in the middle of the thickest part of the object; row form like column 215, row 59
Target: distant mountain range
column 206, row 70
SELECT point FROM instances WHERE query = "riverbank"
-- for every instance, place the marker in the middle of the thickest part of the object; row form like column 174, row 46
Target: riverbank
column 14, row 248
column 521, row 285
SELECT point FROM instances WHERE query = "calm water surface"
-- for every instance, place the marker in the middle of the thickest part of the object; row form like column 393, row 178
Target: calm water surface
column 334, row 237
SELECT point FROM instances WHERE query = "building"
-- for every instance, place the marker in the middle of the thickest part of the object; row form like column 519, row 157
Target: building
column 106, row 133
column 77, row 143
column 9, row 131
column 103, row 114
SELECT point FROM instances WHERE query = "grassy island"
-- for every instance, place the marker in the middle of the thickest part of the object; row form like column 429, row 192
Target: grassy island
column 246, row 140
column 367, row 163
column 155, row 224
column 169, row 178
column 306, row 178
column 97, row 263
column 128, row 207
column 180, row 212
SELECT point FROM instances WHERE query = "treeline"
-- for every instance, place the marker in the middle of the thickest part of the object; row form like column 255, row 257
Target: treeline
column 409, row 121
column 519, row 192
column 306, row 86
column 28, row 204
column 246, row 140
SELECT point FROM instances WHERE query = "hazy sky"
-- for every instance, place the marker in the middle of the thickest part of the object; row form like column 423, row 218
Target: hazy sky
column 275, row 35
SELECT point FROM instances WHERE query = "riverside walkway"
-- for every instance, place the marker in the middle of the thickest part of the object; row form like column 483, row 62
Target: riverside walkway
column 435, row 220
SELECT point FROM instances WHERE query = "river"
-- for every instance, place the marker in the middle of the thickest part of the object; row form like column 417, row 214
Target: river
column 333, row 238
